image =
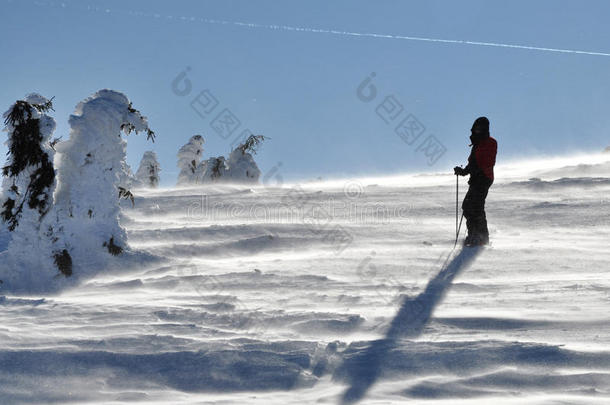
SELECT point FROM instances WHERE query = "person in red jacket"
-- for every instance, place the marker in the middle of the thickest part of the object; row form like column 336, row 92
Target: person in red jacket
column 481, row 170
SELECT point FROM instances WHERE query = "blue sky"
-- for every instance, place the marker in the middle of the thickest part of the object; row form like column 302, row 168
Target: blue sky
column 299, row 87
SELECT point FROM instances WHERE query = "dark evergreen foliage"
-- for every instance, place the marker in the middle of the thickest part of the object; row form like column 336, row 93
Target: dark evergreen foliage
column 7, row 214
column 153, row 179
column 54, row 142
column 24, row 149
column 126, row 194
column 63, row 261
column 251, row 144
column 150, row 134
column 216, row 168
column 113, row 249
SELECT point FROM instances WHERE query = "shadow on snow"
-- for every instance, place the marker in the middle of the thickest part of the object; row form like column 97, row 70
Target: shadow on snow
column 363, row 370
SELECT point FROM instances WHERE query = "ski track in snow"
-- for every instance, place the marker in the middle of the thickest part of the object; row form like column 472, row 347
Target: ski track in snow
column 250, row 306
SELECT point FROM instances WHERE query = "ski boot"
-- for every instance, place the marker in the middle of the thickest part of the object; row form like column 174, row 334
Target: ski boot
column 476, row 240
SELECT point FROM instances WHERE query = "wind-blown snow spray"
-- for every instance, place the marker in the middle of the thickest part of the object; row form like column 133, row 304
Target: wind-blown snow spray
column 91, row 166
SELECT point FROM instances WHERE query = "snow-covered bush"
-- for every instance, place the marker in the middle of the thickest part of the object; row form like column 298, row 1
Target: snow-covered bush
column 189, row 159
column 91, row 168
column 27, row 188
column 242, row 167
column 213, row 170
column 239, row 168
column 148, row 172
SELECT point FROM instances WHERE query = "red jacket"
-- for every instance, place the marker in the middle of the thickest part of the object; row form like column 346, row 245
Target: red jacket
column 483, row 158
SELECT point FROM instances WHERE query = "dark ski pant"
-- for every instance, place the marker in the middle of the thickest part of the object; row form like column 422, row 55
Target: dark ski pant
column 474, row 209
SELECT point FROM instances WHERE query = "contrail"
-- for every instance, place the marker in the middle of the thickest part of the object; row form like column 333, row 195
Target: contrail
column 399, row 37
column 318, row 30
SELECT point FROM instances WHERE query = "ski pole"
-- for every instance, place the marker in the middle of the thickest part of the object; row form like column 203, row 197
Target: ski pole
column 457, row 188
column 457, row 226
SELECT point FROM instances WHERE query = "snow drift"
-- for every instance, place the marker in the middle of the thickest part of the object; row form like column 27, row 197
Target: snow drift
column 252, row 304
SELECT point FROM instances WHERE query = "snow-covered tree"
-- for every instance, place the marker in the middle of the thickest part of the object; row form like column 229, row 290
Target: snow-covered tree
column 148, row 172
column 91, row 166
column 27, row 187
column 29, row 174
column 213, row 170
column 239, row 168
column 189, row 159
column 242, row 167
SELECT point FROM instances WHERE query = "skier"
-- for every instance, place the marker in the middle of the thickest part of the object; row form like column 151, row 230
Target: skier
column 481, row 170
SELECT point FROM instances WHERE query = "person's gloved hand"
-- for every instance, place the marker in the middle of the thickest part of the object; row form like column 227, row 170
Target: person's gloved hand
column 459, row 171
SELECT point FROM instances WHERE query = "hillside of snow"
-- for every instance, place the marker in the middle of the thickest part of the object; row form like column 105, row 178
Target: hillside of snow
column 332, row 292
